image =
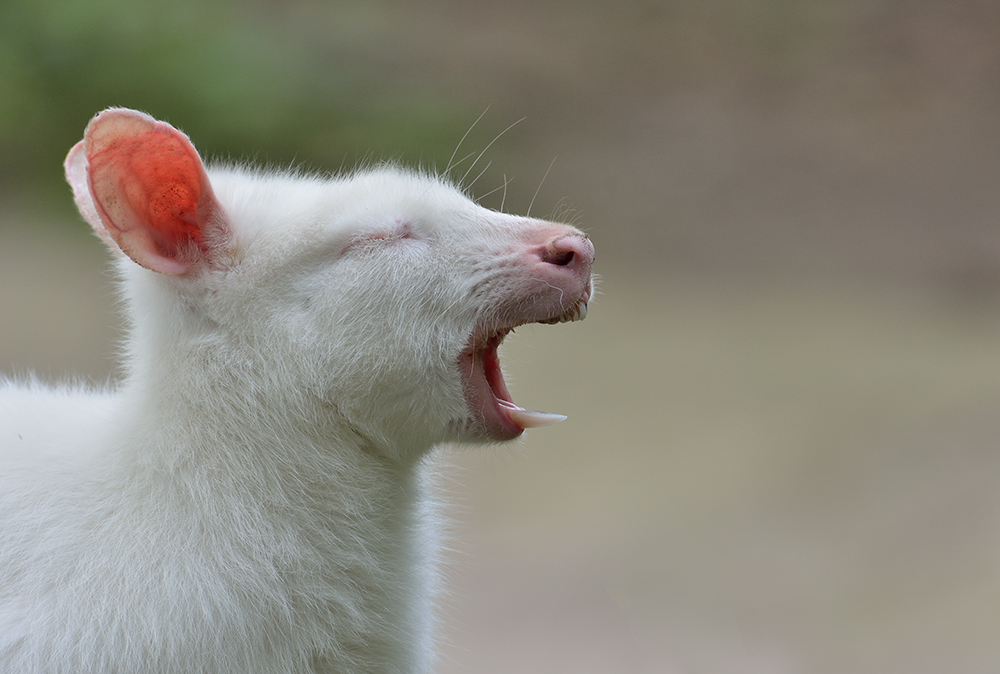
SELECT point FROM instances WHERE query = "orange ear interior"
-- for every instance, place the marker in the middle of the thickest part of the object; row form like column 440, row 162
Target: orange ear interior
column 151, row 190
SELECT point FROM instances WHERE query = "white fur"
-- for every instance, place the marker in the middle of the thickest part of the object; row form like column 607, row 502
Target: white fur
column 252, row 498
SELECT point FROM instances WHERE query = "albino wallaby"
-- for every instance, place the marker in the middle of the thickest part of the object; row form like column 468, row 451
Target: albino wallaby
column 251, row 497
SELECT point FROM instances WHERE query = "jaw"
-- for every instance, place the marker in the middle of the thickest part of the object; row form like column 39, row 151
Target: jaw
column 494, row 413
column 486, row 391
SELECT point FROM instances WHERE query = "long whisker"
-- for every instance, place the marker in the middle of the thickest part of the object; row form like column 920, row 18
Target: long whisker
column 495, row 189
column 462, row 181
column 457, row 147
column 469, row 186
column 542, row 182
column 460, row 161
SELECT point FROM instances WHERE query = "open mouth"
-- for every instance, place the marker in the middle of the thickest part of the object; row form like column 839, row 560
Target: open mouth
column 486, row 390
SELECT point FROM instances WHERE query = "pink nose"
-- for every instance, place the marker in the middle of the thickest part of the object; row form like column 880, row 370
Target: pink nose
column 573, row 251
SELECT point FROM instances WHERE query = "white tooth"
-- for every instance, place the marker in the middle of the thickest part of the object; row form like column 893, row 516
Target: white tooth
column 578, row 313
column 530, row 418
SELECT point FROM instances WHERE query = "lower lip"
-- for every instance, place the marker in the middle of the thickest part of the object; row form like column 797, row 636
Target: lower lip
column 485, row 389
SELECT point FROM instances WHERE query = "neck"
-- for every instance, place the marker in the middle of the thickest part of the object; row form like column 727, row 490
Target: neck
column 280, row 484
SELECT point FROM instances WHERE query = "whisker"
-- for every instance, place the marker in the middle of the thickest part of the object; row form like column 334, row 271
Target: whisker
column 562, row 210
column 469, row 186
column 495, row 189
column 539, row 189
column 488, row 147
column 457, row 147
column 460, row 161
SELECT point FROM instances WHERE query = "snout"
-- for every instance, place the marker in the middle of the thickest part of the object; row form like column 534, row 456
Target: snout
column 564, row 260
column 574, row 253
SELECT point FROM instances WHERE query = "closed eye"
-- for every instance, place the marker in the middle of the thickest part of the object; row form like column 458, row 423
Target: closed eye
column 401, row 233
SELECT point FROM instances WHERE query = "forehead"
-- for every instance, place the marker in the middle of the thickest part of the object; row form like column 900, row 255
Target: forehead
column 279, row 204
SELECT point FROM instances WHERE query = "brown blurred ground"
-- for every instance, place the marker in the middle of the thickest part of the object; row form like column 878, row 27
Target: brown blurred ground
column 782, row 447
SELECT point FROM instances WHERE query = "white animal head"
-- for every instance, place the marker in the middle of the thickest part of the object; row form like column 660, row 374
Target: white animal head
column 377, row 300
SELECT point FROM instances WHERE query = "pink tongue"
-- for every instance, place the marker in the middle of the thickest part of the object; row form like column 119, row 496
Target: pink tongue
column 529, row 418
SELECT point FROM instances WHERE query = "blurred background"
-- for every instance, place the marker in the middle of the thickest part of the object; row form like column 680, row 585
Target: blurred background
column 781, row 455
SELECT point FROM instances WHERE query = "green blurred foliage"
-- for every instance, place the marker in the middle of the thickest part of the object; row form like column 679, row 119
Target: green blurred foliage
column 304, row 83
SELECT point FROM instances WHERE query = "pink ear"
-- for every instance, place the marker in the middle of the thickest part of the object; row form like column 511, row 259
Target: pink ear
column 150, row 189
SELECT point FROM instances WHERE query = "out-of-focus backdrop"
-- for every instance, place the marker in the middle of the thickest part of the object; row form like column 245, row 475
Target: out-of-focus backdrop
column 783, row 446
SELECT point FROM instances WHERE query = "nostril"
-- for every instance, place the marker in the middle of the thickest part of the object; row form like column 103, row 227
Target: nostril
column 558, row 257
column 567, row 251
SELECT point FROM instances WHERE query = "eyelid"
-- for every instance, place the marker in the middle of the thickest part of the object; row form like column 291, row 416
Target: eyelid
column 403, row 231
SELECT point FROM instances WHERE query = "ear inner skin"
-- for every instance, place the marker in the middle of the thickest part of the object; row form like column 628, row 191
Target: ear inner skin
column 150, row 189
